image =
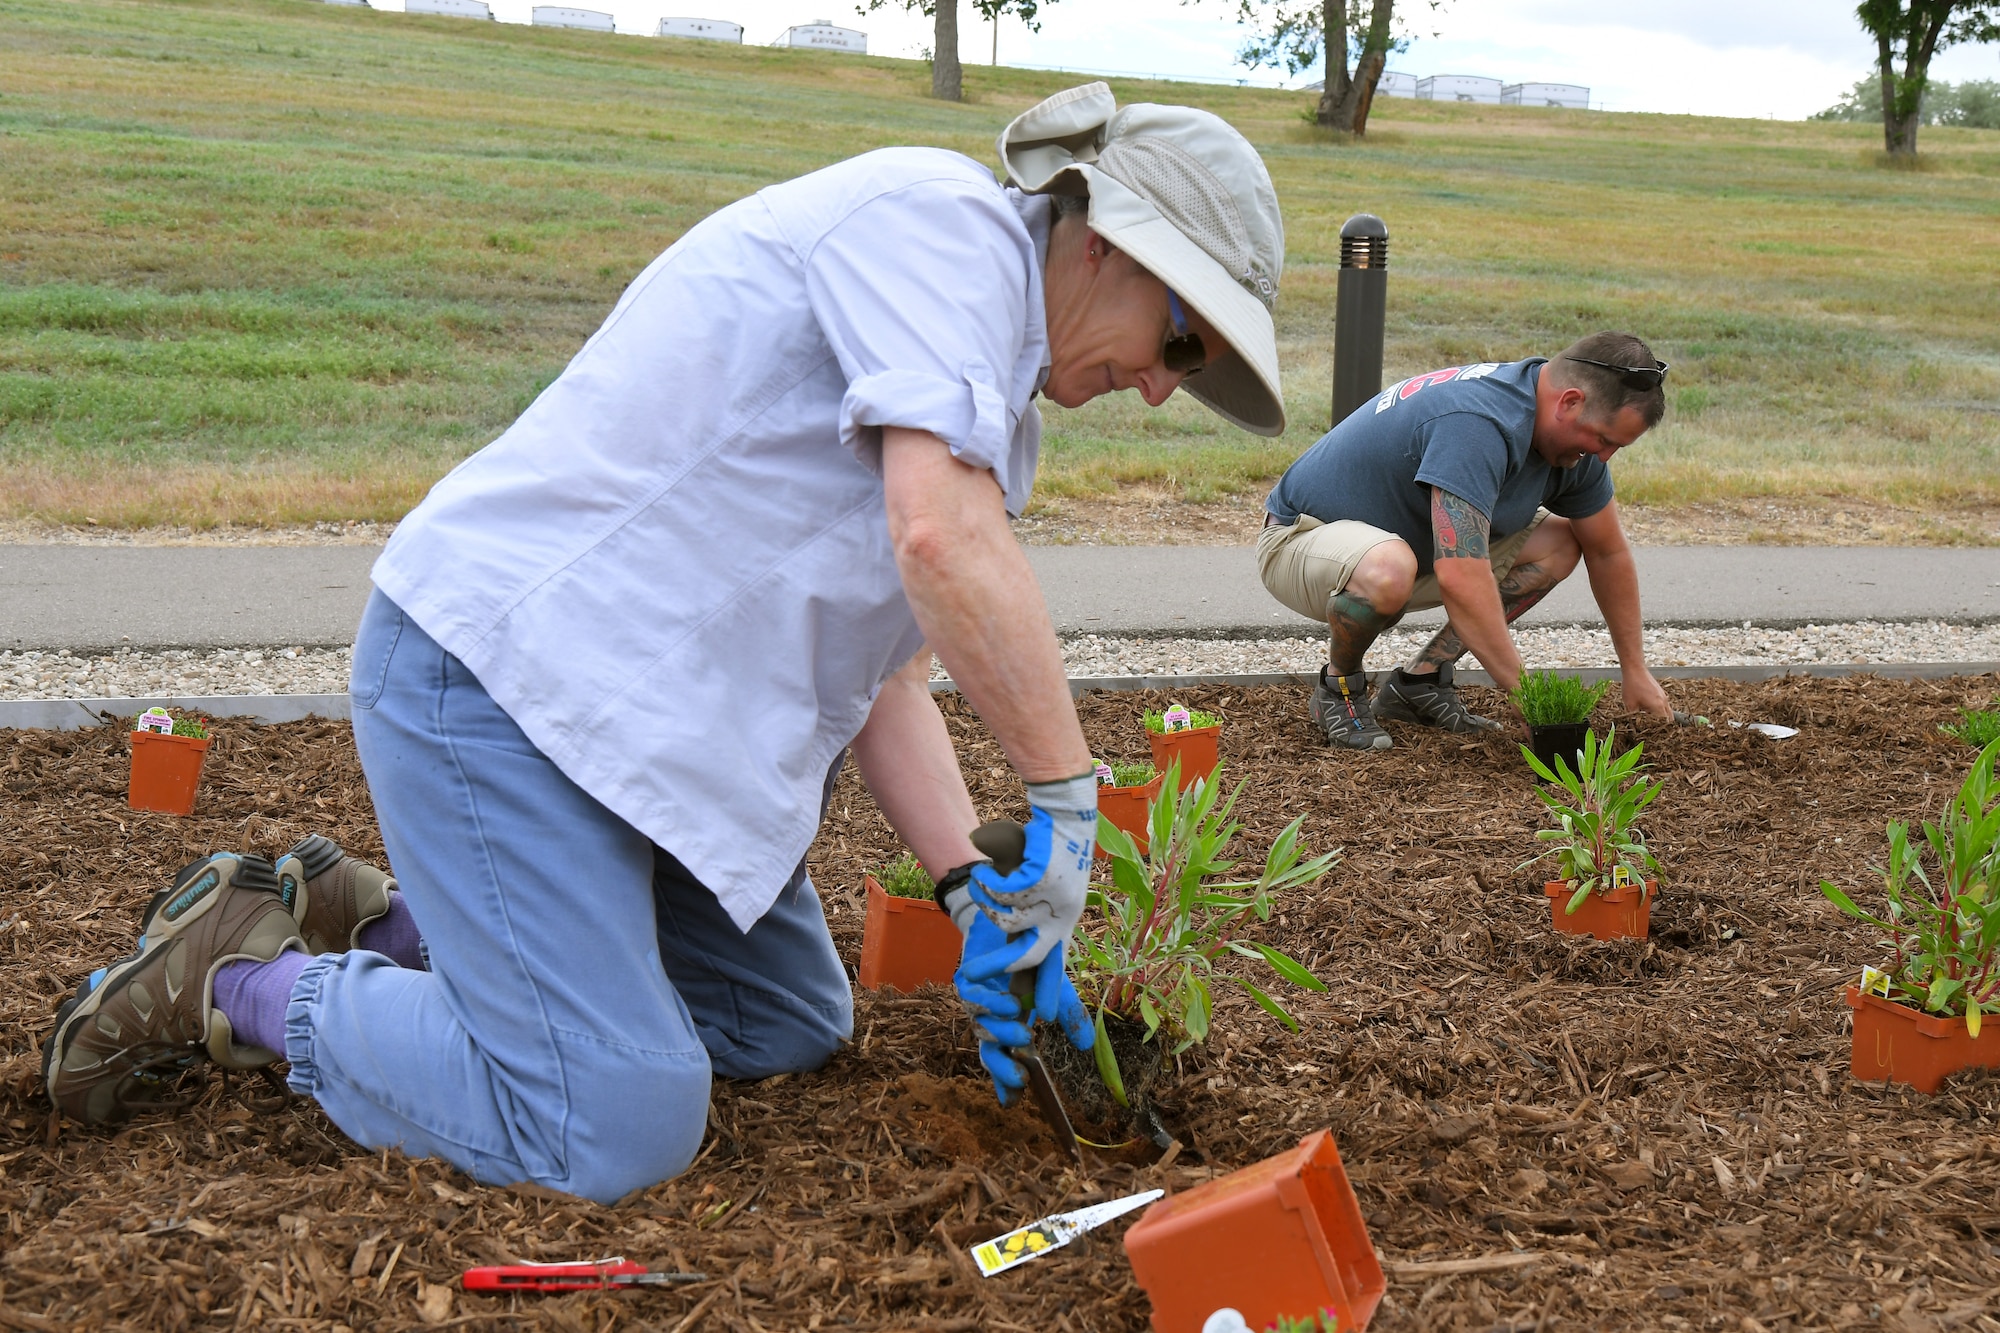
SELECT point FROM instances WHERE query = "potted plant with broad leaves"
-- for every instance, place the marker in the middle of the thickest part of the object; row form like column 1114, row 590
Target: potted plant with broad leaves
column 1125, row 794
column 1922, row 1017
column 1185, row 736
column 906, row 939
column 1557, row 710
column 1147, row 962
column 167, row 754
column 1606, row 872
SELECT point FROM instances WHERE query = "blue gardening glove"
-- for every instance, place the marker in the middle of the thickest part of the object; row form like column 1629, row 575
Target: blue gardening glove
column 984, row 981
column 1042, row 897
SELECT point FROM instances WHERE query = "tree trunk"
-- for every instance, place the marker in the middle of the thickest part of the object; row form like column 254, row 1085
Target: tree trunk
column 947, row 78
column 1333, row 93
column 1348, row 98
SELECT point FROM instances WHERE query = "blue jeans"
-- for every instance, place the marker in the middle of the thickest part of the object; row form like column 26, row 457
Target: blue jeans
column 583, row 987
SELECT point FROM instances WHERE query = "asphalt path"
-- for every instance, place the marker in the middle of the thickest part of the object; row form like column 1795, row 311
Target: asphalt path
column 91, row 598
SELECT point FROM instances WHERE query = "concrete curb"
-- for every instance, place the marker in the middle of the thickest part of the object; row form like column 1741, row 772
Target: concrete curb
column 76, row 714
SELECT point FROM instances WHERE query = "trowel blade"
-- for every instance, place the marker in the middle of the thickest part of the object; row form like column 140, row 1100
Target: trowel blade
column 1050, row 1102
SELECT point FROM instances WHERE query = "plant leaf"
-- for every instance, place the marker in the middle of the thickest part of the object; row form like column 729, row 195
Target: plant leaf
column 1107, row 1064
column 1289, row 969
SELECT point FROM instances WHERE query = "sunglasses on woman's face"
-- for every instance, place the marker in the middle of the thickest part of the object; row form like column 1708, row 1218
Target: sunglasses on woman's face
column 1637, row 377
column 1184, row 352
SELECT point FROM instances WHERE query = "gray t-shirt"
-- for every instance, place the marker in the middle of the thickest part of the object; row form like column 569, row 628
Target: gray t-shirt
column 1465, row 428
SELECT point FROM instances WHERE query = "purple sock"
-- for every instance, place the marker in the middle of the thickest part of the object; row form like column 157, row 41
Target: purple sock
column 253, row 997
column 395, row 935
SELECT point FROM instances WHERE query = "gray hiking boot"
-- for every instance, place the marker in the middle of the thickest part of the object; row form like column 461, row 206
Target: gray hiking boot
column 124, row 1040
column 332, row 895
column 1340, row 710
column 1428, row 702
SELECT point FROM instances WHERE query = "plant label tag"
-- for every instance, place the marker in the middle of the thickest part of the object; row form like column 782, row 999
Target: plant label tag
column 1874, row 981
column 1176, row 718
column 1105, row 777
column 1051, row 1233
column 154, row 719
column 1622, row 877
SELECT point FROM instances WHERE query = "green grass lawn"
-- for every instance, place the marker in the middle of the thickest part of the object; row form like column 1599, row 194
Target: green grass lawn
column 282, row 261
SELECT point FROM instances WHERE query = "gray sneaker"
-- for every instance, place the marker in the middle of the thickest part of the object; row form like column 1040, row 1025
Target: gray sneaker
column 1340, row 710
column 332, row 894
column 1428, row 703
column 124, row 1040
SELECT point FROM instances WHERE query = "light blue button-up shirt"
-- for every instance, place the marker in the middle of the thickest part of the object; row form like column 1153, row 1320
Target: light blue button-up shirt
column 674, row 571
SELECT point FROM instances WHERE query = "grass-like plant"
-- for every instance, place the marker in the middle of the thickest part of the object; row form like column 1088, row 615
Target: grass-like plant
column 1977, row 727
column 1945, row 935
column 905, row 877
column 1549, row 700
column 1594, row 833
column 1132, row 775
column 1156, row 721
column 1325, row 1322
column 187, row 726
column 1167, row 918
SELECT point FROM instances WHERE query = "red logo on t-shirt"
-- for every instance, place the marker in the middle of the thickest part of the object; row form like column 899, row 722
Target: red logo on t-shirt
column 1410, row 386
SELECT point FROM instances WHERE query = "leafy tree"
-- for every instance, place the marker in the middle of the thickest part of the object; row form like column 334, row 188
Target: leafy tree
column 1914, row 31
column 947, row 75
column 1974, row 104
column 1292, row 32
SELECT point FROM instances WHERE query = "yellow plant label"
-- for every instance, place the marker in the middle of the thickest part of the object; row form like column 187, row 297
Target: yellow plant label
column 1016, row 1247
column 1874, row 981
column 1622, row 877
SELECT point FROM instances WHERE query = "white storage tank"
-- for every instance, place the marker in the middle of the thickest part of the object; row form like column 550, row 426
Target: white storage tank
column 823, row 36
column 1395, row 83
column 1546, row 94
column 460, row 9
column 1459, row 88
column 707, row 30
column 363, row 3
column 561, row 16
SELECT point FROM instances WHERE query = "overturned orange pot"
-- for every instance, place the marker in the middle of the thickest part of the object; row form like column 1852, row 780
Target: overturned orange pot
column 1618, row 914
column 906, row 942
column 1283, row 1238
column 165, row 772
column 1904, row 1045
column 1199, row 750
column 1128, row 808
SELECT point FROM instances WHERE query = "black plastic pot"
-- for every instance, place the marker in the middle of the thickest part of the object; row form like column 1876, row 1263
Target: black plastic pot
column 1564, row 739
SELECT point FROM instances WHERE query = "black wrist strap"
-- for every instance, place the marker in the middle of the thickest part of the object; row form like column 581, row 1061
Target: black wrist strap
column 954, row 878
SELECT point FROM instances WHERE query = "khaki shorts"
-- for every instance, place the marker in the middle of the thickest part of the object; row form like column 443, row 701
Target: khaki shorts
column 1306, row 563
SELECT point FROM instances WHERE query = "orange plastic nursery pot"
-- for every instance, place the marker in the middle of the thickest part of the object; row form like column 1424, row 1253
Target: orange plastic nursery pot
column 1198, row 748
column 1281, row 1238
column 1621, row 914
column 1893, row 1041
column 1127, row 809
column 906, row 942
column 165, row 772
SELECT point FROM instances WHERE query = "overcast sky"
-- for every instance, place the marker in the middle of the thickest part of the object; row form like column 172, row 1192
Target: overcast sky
column 1786, row 58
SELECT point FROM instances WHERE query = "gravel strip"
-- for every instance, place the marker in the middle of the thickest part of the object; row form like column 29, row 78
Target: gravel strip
column 129, row 674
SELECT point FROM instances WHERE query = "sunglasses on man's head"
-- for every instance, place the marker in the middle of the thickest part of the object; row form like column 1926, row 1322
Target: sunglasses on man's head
column 1184, row 352
column 1637, row 377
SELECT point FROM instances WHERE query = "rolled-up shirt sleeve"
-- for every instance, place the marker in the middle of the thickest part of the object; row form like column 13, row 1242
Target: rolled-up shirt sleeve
column 924, row 296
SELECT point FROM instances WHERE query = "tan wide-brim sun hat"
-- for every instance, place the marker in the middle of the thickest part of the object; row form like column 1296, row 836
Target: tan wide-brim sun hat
column 1188, row 198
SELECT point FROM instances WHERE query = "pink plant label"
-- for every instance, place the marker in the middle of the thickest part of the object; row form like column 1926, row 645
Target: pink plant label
column 1177, row 718
column 154, row 719
column 1104, row 775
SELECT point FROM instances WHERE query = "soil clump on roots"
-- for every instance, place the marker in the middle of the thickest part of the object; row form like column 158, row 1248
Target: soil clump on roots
column 1667, row 1123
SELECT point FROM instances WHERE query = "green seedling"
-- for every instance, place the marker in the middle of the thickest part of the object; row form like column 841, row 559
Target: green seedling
column 1595, row 834
column 1167, row 918
column 905, row 877
column 1325, row 1322
column 1944, row 936
column 1977, row 727
column 1132, row 775
column 1549, row 700
column 187, row 726
column 1156, row 721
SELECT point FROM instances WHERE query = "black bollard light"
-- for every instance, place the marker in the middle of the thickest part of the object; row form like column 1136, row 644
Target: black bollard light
column 1361, row 306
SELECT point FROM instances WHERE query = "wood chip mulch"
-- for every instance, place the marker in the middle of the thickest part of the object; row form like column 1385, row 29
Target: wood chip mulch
column 1665, row 1129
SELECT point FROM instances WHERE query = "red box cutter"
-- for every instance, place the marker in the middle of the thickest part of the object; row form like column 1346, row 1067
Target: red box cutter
column 603, row 1275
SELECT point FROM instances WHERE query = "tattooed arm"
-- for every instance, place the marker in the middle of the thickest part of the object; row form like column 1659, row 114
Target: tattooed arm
column 1465, row 578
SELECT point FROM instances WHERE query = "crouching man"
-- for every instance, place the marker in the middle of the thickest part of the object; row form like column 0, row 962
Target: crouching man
column 1475, row 488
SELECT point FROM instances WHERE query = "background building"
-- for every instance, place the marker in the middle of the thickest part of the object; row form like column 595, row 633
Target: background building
column 1546, row 94
column 1459, row 88
column 823, row 36
column 561, row 16
column 707, row 30
column 463, row 9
